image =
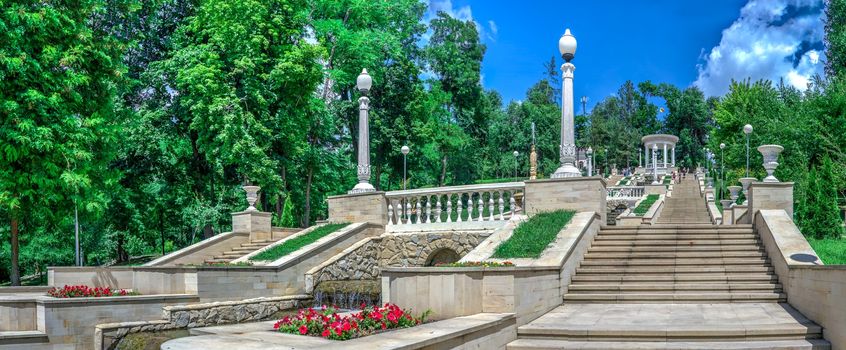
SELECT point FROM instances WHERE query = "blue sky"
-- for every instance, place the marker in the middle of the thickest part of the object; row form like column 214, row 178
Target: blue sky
column 705, row 43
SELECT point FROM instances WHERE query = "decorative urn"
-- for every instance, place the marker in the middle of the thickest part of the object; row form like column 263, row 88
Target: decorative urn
column 252, row 196
column 727, row 203
column 735, row 193
column 770, row 153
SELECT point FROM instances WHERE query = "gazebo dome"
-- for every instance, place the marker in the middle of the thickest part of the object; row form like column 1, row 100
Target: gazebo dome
column 659, row 139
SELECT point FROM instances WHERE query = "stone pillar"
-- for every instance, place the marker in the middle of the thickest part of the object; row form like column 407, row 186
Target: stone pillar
column 369, row 207
column 639, row 159
column 770, row 195
column 567, row 148
column 579, row 194
column 254, row 222
column 533, row 163
column 655, row 164
column 665, row 155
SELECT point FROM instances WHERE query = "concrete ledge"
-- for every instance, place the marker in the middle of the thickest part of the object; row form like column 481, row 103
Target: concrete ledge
column 817, row 291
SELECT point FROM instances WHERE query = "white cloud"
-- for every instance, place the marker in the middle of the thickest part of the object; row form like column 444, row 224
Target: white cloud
column 772, row 39
column 464, row 13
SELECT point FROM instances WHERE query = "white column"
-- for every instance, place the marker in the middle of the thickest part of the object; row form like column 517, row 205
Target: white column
column 665, row 155
column 674, row 156
column 655, row 164
column 589, row 166
column 567, row 148
column 639, row 159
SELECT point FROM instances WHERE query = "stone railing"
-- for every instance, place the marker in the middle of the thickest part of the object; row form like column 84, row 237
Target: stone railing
column 625, row 192
column 486, row 202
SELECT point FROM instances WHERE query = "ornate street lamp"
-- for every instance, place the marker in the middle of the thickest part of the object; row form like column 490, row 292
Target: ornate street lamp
column 567, row 148
column 515, row 162
column 404, row 151
column 722, row 170
column 364, row 82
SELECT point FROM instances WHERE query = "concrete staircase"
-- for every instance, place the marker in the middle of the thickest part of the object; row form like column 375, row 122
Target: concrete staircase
column 237, row 252
column 685, row 206
column 673, row 286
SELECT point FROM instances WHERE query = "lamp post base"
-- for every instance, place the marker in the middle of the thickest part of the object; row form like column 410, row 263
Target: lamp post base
column 566, row 170
column 362, row 187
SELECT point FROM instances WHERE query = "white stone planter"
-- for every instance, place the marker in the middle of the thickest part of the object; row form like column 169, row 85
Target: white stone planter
column 728, row 202
column 252, row 196
column 745, row 182
column 735, row 193
column 770, row 153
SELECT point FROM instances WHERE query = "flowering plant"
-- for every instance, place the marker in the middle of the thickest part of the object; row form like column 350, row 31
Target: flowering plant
column 326, row 322
column 476, row 264
column 81, row 291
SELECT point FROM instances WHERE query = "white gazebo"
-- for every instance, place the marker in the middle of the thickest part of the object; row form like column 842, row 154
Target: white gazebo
column 659, row 162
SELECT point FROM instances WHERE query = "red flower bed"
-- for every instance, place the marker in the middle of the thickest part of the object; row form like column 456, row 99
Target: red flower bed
column 326, row 322
column 86, row 291
column 476, row 264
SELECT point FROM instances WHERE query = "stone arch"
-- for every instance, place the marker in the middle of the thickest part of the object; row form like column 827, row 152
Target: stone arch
column 442, row 256
column 440, row 244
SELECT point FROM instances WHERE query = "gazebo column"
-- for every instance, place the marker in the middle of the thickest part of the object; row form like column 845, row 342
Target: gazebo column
column 674, row 156
column 665, row 156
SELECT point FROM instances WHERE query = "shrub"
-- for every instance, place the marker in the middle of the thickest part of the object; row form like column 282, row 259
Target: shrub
column 328, row 324
column 82, row 291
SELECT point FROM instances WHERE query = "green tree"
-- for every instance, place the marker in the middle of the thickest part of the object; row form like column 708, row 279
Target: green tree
column 835, row 37
column 57, row 79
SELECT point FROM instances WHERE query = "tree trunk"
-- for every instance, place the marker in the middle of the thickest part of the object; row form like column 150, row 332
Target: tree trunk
column 378, row 175
column 208, row 231
column 161, row 228
column 307, row 207
column 16, row 270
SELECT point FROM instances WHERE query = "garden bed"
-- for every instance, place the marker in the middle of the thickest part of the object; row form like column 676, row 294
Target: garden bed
column 831, row 251
column 477, row 264
column 298, row 242
column 645, row 204
column 82, row 291
column 531, row 237
column 327, row 323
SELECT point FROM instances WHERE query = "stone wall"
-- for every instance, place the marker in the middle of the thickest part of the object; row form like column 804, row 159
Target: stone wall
column 358, row 262
column 362, row 207
column 578, row 193
column 771, row 195
column 816, row 290
column 197, row 253
column 415, row 248
column 200, row 315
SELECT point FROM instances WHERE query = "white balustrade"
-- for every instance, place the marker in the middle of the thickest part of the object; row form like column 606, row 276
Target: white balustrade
column 455, row 203
column 625, row 192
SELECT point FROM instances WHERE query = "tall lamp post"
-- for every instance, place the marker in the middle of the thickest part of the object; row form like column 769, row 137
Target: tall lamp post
column 515, row 162
column 590, row 161
column 404, row 151
column 607, row 171
column 364, row 82
column 747, row 129
column 722, row 169
column 567, row 148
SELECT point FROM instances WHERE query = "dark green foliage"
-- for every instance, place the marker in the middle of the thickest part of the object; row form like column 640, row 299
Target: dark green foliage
column 287, row 219
column 818, row 215
column 298, row 242
column 531, row 237
column 645, row 204
column 835, row 38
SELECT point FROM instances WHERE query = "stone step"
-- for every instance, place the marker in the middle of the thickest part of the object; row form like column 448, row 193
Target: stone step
column 673, row 231
column 217, row 260
column 675, row 262
column 676, row 237
column 24, row 339
column 685, row 248
column 682, row 278
column 675, row 255
column 679, row 227
column 645, row 242
column 673, row 269
column 693, row 344
column 675, row 298
column 672, row 287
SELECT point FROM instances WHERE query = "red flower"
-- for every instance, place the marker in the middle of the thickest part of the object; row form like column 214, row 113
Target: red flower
column 303, row 329
column 326, row 333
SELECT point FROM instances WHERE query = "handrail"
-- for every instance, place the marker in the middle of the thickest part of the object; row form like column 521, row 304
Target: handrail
column 455, row 189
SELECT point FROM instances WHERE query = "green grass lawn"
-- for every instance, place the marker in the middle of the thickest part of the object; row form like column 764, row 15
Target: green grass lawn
column 531, row 237
column 831, row 251
column 645, row 204
column 296, row 243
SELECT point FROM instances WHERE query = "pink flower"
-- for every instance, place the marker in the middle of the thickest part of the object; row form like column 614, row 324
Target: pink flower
column 303, row 329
